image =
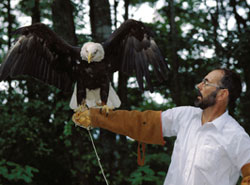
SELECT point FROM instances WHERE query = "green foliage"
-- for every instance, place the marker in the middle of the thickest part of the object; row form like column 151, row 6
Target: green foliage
column 15, row 172
column 152, row 172
column 145, row 174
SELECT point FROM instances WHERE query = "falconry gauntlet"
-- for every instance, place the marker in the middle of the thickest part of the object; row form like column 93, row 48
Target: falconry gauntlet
column 245, row 170
column 144, row 126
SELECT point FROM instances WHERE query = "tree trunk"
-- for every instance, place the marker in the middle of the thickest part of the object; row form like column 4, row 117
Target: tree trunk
column 115, row 12
column 63, row 21
column 215, row 22
column 36, row 12
column 241, row 26
column 176, row 94
column 10, row 21
column 100, row 19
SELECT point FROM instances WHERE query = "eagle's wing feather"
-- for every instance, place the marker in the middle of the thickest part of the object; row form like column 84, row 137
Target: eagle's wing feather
column 132, row 50
column 40, row 53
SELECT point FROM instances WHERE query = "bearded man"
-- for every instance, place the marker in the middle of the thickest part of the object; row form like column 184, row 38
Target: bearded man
column 210, row 148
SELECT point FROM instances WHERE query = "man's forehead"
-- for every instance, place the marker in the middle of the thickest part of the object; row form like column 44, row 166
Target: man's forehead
column 214, row 76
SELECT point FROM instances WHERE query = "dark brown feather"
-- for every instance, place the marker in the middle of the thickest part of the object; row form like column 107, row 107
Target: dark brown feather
column 131, row 49
column 40, row 53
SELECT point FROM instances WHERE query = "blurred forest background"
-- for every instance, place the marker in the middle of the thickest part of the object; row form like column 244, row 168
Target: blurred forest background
column 39, row 143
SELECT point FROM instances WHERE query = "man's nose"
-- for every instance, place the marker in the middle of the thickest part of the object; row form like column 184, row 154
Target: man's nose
column 198, row 86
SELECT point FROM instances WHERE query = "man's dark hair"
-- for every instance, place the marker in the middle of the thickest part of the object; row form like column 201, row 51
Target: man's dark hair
column 232, row 82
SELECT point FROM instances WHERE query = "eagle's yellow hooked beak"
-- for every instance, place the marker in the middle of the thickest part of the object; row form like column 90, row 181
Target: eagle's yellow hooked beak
column 89, row 58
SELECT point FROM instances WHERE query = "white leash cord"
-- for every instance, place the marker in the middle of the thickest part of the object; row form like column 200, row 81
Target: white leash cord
column 98, row 159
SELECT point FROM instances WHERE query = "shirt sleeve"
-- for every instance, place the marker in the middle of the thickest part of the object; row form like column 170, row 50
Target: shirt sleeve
column 242, row 150
column 171, row 120
column 239, row 149
column 168, row 128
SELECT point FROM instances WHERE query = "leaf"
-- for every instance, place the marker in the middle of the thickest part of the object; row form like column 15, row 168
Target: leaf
column 14, row 172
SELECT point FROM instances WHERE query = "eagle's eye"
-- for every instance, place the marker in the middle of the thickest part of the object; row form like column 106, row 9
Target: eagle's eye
column 95, row 51
column 86, row 51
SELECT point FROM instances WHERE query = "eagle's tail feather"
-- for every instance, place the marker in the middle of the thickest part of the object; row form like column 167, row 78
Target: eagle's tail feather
column 73, row 101
column 113, row 99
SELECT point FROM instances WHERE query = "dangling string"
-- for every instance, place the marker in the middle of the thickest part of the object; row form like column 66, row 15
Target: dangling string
column 75, row 118
column 98, row 159
column 140, row 160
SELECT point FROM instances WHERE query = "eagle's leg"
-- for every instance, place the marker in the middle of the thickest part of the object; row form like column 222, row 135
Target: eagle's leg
column 84, row 104
column 81, row 96
column 106, row 108
column 104, row 92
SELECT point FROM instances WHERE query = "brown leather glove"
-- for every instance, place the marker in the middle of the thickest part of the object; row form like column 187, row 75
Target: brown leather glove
column 144, row 126
column 245, row 170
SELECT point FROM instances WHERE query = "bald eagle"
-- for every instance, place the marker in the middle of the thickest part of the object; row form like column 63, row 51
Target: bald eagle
column 41, row 53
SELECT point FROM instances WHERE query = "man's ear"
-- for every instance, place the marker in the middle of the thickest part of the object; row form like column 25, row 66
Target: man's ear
column 223, row 94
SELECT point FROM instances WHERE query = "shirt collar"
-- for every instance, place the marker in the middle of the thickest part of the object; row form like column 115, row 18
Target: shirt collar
column 220, row 121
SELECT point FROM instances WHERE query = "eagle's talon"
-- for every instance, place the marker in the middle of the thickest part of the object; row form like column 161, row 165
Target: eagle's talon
column 106, row 109
column 81, row 107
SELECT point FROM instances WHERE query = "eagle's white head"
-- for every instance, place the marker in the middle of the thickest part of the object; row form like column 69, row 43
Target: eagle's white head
column 92, row 52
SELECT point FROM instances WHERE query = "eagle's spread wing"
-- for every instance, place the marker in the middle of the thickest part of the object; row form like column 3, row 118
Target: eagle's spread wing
column 131, row 49
column 40, row 53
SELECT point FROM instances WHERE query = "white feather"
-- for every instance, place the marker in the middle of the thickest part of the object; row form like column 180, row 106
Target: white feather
column 93, row 98
column 73, row 101
column 95, row 49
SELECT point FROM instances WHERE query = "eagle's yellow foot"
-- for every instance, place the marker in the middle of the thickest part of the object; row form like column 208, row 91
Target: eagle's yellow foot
column 106, row 109
column 82, row 107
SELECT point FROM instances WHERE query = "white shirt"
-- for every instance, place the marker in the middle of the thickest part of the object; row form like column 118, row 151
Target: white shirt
column 207, row 154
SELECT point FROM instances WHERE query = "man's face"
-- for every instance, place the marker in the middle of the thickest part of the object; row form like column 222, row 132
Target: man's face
column 205, row 102
column 208, row 89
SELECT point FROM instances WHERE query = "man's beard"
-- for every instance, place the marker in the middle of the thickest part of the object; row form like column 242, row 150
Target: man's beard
column 209, row 101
